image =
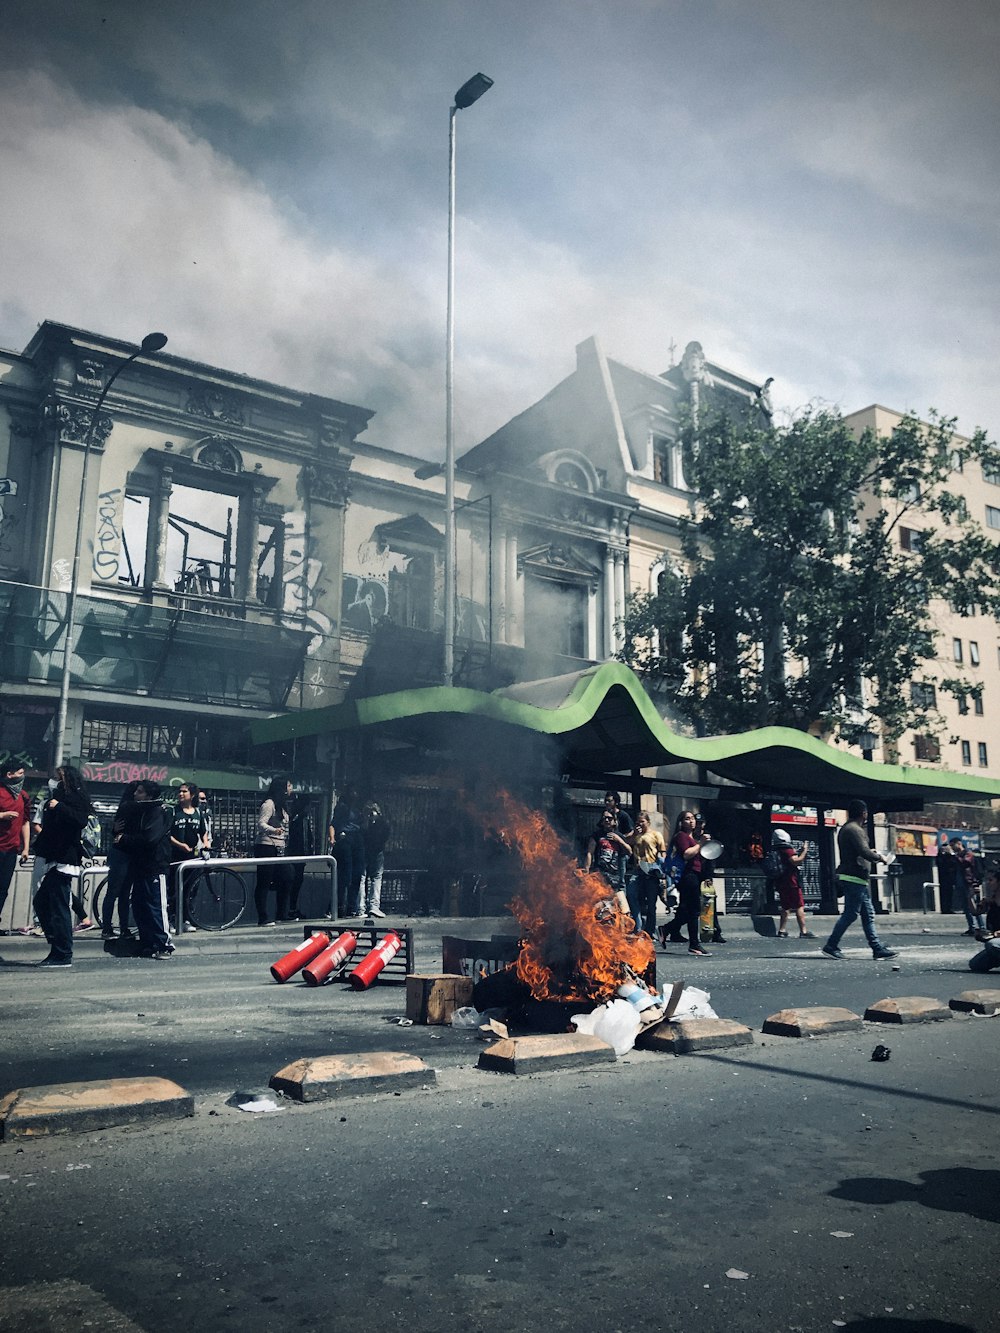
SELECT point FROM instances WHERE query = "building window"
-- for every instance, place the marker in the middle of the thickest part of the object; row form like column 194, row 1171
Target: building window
column 991, row 472
column 923, row 694
column 956, row 649
column 966, row 752
column 977, row 705
column 555, row 616
column 963, row 705
column 411, row 591
column 973, row 652
column 910, row 539
column 984, row 761
column 992, row 516
column 927, row 748
column 665, row 469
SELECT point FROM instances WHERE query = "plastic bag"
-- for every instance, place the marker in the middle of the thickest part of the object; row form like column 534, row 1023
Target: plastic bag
column 693, row 1003
column 466, row 1017
column 617, row 1023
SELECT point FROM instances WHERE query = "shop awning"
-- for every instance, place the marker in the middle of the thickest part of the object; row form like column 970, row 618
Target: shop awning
column 605, row 722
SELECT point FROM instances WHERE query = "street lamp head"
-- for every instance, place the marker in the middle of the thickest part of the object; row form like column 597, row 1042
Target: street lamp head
column 153, row 342
column 472, row 91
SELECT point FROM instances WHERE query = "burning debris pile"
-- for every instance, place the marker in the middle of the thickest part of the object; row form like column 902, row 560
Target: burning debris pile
column 578, row 945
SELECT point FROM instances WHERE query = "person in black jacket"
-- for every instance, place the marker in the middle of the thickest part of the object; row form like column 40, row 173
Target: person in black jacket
column 64, row 817
column 145, row 839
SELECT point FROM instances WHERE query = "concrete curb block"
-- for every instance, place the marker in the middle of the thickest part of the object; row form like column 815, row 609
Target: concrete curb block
column 976, row 1002
column 694, row 1034
column 331, row 1076
column 535, row 1055
column 908, row 1009
column 65, row 1108
column 813, row 1022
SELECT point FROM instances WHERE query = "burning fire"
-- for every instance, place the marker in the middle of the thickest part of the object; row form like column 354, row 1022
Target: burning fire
column 578, row 944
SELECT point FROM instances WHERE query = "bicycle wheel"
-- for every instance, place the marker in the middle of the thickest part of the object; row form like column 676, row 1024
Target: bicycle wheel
column 214, row 899
column 97, row 901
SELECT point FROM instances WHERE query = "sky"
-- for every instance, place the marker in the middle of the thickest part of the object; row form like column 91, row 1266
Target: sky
column 809, row 189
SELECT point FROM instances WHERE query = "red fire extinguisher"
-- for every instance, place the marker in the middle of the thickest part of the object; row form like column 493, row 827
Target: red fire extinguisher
column 373, row 963
column 302, row 953
column 321, row 967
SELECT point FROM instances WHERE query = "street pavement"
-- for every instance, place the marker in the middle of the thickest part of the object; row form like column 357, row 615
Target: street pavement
column 631, row 1196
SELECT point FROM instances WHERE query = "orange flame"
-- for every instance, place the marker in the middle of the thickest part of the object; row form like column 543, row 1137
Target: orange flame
column 578, row 945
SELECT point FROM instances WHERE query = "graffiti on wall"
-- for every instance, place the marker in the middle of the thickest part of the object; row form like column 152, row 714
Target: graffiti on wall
column 123, row 771
column 108, row 541
column 366, row 590
column 300, row 578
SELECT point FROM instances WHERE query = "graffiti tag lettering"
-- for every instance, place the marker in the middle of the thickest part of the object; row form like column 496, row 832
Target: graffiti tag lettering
column 109, row 538
column 124, row 772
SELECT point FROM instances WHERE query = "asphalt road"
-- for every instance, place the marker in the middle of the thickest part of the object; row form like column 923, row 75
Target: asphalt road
column 850, row 1194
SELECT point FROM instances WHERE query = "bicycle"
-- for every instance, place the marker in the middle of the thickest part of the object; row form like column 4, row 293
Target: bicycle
column 214, row 898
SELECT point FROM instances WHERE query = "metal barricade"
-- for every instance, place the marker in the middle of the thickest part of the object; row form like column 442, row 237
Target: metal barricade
column 187, row 868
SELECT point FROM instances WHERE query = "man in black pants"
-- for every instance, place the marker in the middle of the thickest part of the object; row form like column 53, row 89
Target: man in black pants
column 146, row 841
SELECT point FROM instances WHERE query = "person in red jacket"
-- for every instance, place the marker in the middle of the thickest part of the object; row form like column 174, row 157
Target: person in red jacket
column 15, row 823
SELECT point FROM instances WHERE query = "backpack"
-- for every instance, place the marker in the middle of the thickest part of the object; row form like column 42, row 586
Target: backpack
column 774, row 864
column 673, row 867
column 90, row 837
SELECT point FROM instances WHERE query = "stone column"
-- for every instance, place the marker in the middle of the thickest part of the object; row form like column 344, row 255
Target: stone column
column 609, row 602
column 156, row 533
column 513, row 595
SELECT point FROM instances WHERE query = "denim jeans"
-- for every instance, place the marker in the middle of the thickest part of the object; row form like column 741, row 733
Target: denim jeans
column 857, row 902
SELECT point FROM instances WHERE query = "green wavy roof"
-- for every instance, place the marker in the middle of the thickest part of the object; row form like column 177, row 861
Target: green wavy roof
column 605, row 722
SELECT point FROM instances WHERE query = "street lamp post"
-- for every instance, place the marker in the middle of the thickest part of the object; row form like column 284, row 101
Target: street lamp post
column 470, row 92
column 153, row 342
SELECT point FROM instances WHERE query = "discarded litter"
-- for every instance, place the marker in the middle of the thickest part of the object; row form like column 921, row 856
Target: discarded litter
column 260, row 1106
column 881, row 1053
column 842, row 1235
column 466, row 1017
column 737, row 1273
column 616, row 1023
column 692, row 1003
column 400, row 1020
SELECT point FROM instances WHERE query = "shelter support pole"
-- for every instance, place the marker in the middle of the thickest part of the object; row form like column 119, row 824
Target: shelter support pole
column 827, row 888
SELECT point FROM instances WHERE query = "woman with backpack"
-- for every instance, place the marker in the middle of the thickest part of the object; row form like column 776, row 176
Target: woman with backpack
column 64, row 818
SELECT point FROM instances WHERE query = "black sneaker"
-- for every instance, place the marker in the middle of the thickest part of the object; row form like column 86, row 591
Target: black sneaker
column 161, row 955
column 879, row 954
column 55, row 962
column 832, row 951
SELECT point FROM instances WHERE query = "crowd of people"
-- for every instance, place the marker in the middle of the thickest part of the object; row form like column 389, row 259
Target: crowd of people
column 150, row 837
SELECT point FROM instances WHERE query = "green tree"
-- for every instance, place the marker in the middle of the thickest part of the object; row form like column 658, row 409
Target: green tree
column 795, row 586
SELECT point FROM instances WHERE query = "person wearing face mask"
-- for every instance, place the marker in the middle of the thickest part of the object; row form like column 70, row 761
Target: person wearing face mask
column 63, row 818
column 15, row 823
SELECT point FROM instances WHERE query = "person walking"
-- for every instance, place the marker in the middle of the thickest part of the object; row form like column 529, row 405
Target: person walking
column 145, row 839
column 119, row 890
column 645, row 883
column 188, row 838
column 272, row 838
column 64, row 817
column 301, row 841
column 375, row 830
column 687, row 842
column 349, row 850
column 605, row 850
column 854, row 869
column 968, row 882
column 789, row 885
column 947, row 869
column 15, row 824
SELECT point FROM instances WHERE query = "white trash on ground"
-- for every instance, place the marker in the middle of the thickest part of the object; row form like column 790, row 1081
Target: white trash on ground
column 693, row 1003
column 466, row 1017
column 616, row 1023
